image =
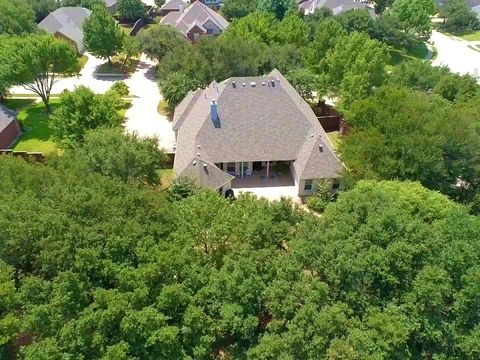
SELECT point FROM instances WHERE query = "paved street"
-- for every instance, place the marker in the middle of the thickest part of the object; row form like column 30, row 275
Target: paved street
column 455, row 53
column 142, row 117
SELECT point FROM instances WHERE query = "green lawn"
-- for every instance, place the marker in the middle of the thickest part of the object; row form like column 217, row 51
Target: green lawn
column 333, row 137
column 17, row 104
column 126, row 28
column 37, row 135
column 473, row 35
column 418, row 51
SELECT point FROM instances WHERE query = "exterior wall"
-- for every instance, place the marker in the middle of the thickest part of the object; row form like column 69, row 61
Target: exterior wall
column 191, row 35
column 301, row 186
column 215, row 30
column 10, row 134
column 295, row 178
column 78, row 48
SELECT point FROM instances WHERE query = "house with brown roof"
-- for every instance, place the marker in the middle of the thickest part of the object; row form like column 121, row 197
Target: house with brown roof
column 252, row 129
column 195, row 21
column 10, row 129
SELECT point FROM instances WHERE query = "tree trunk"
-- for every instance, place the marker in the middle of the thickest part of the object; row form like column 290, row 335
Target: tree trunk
column 109, row 60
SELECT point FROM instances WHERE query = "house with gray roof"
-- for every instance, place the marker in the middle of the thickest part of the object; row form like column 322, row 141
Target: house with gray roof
column 336, row 6
column 67, row 23
column 171, row 6
column 244, row 126
column 195, row 21
column 10, row 129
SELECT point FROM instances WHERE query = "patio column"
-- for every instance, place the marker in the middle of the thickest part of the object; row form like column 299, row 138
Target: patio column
column 242, row 169
column 268, row 168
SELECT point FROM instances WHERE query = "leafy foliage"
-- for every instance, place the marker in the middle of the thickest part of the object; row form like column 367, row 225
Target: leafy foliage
column 110, row 270
column 459, row 16
column 82, row 110
column 101, row 34
column 234, row 9
column 131, row 9
column 176, row 87
column 35, row 61
column 157, row 41
column 112, row 153
column 16, row 18
column 322, row 196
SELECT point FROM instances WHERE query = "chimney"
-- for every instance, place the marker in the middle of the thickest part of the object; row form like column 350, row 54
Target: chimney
column 181, row 6
column 214, row 113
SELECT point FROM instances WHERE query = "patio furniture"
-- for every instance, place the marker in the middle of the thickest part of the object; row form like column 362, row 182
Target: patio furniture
column 248, row 172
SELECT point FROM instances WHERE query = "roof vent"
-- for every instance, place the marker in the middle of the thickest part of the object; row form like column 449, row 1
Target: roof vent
column 194, row 162
column 263, row 83
column 273, row 83
column 253, row 84
column 198, row 154
column 234, row 84
column 205, row 165
column 312, row 136
column 320, row 147
column 199, row 147
column 243, row 84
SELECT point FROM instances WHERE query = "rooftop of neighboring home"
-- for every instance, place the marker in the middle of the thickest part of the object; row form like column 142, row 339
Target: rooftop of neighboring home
column 337, row 6
column 250, row 119
column 173, row 5
column 67, row 21
column 7, row 116
column 195, row 15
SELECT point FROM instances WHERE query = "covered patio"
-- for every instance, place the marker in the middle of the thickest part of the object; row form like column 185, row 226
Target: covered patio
column 258, row 178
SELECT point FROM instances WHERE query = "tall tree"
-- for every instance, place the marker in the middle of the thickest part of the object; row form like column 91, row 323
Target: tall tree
column 415, row 15
column 101, row 34
column 459, row 16
column 234, row 9
column 157, row 41
column 16, row 18
column 277, row 7
column 131, row 10
column 82, row 110
column 175, row 87
column 35, row 62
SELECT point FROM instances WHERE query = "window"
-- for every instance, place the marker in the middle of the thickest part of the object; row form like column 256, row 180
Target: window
column 308, row 185
column 209, row 31
column 231, row 167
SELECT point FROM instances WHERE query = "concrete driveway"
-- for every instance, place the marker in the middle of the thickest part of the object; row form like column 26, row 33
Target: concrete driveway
column 456, row 54
column 142, row 117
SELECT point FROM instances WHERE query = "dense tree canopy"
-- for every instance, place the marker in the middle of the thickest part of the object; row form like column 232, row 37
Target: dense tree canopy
column 82, row 110
column 157, row 41
column 131, row 10
column 409, row 135
column 100, row 269
column 42, row 8
column 459, row 16
column 233, row 9
column 16, row 18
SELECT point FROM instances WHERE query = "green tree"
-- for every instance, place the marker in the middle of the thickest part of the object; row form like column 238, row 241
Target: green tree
column 35, row 62
column 305, row 82
column 157, row 41
column 131, row 10
column 327, row 34
column 16, row 18
column 159, row 3
column 277, row 7
column 82, row 110
column 459, row 16
column 415, row 15
column 175, row 87
column 234, row 9
column 102, row 35
column 354, row 67
column 42, row 8
column 257, row 26
column 112, row 153
column 416, row 142
column 293, row 30
column 359, row 20
column 131, row 48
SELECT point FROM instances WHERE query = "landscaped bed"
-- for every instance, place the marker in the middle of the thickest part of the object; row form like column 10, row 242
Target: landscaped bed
column 115, row 67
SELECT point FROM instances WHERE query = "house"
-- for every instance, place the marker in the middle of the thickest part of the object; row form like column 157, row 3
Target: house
column 336, row 6
column 171, row 6
column 214, row 4
column 248, row 128
column 196, row 20
column 10, row 129
column 67, row 23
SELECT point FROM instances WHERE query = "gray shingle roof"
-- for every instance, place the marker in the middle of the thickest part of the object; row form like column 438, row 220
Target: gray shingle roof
column 173, row 5
column 205, row 173
column 260, row 118
column 196, row 14
column 67, row 21
column 6, row 117
column 337, row 6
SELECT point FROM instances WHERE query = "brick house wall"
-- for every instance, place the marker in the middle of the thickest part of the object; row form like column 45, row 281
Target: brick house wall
column 10, row 134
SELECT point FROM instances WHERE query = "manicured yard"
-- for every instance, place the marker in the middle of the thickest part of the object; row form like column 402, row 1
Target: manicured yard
column 17, row 104
column 116, row 66
column 126, row 28
column 418, row 51
column 469, row 35
column 37, row 135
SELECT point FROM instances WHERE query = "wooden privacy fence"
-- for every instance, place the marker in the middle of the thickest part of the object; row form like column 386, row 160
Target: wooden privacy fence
column 27, row 155
column 140, row 23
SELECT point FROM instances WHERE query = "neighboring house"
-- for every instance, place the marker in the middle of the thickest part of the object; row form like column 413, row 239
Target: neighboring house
column 171, row 6
column 195, row 21
column 245, row 126
column 337, row 6
column 474, row 5
column 214, row 4
column 67, row 23
column 10, row 129
column 111, row 5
